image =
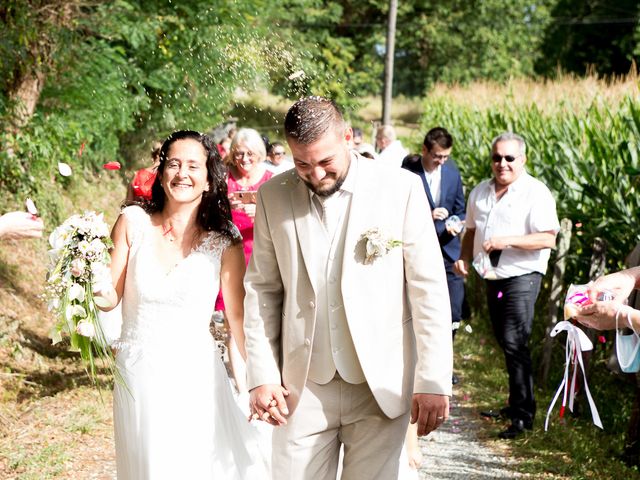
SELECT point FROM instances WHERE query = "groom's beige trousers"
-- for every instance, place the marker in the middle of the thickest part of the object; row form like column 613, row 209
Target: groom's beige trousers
column 330, row 415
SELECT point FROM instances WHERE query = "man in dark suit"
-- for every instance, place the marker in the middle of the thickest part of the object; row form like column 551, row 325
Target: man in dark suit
column 443, row 187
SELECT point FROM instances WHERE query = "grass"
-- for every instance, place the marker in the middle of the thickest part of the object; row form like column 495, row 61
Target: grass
column 573, row 447
column 65, row 435
column 46, row 462
column 53, row 423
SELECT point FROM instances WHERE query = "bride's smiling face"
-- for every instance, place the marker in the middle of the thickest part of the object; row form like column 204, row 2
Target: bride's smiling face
column 184, row 178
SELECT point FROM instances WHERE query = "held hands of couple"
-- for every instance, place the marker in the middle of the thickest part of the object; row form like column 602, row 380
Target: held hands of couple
column 267, row 403
column 429, row 410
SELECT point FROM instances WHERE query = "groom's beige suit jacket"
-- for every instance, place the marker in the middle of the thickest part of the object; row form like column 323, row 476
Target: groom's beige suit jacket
column 397, row 307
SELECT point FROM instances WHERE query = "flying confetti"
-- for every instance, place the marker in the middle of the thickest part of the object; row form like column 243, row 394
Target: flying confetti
column 64, row 169
column 111, row 166
column 298, row 74
column 31, row 207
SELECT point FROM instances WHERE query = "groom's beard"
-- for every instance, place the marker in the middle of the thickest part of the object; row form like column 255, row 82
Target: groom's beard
column 328, row 190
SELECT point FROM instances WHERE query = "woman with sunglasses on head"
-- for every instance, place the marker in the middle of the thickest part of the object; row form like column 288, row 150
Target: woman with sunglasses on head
column 175, row 415
column 247, row 171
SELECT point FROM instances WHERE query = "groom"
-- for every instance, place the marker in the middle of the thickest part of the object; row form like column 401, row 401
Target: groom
column 333, row 328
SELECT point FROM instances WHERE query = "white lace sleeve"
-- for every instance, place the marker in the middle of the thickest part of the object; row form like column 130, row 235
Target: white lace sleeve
column 236, row 233
column 216, row 243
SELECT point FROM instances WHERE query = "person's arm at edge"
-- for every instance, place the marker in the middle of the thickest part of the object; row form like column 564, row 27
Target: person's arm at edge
column 461, row 266
column 119, row 260
column 531, row 241
column 427, row 292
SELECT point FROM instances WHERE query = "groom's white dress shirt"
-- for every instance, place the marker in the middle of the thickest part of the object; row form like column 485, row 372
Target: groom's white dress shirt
column 333, row 347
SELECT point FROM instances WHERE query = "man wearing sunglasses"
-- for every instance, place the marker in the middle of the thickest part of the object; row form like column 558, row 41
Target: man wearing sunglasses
column 512, row 219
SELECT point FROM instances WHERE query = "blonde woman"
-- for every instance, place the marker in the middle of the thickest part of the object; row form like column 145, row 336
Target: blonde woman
column 247, row 171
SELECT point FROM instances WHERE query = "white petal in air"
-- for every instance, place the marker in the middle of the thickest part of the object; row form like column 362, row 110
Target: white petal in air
column 31, row 207
column 297, row 74
column 64, row 169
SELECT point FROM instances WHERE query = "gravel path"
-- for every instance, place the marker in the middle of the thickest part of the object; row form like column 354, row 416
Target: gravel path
column 455, row 452
column 452, row 452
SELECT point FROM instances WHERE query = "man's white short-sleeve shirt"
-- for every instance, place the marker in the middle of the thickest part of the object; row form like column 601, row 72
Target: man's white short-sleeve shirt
column 527, row 207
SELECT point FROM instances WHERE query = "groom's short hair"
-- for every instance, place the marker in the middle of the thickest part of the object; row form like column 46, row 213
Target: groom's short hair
column 310, row 118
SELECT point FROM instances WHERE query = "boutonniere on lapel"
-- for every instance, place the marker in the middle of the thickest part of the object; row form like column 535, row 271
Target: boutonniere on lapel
column 377, row 244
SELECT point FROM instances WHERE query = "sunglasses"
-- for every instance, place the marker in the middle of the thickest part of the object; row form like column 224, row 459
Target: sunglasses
column 498, row 158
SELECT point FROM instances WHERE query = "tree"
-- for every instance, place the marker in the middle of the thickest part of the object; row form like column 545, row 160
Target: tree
column 591, row 34
column 81, row 82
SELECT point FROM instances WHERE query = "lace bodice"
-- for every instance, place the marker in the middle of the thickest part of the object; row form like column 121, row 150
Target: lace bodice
column 162, row 308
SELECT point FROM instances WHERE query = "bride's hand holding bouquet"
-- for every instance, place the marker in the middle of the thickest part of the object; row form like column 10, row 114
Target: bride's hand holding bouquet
column 78, row 283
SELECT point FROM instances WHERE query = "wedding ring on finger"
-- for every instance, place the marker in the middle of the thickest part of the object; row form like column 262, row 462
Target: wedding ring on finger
column 440, row 418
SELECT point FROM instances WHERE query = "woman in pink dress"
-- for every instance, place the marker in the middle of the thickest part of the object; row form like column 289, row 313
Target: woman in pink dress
column 247, row 171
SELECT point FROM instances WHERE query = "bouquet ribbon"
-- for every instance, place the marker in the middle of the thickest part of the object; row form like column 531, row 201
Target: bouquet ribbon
column 577, row 342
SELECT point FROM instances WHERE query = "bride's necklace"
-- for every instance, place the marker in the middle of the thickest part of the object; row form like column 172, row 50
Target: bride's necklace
column 166, row 231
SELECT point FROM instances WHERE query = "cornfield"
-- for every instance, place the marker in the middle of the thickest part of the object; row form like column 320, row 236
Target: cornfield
column 583, row 142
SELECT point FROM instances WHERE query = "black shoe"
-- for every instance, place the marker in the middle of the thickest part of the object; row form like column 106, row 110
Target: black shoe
column 515, row 430
column 503, row 413
column 490, row 414
column 454, row 379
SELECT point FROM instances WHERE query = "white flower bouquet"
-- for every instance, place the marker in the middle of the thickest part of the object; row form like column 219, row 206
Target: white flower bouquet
column 79, row 268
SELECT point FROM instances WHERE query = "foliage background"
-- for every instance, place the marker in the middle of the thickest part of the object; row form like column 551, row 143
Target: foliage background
column 86, row 82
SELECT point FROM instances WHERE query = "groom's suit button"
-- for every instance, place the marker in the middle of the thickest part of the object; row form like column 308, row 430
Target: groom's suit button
column 307, row 342
column 312, row 305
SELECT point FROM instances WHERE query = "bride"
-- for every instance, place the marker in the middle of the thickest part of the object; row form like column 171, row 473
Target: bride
column 175, row 415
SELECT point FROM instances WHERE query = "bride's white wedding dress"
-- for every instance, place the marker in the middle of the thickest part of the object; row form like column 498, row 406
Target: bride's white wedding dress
column 177, row 417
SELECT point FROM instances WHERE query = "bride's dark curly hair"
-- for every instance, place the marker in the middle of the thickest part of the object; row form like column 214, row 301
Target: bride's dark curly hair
column 214, row 212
